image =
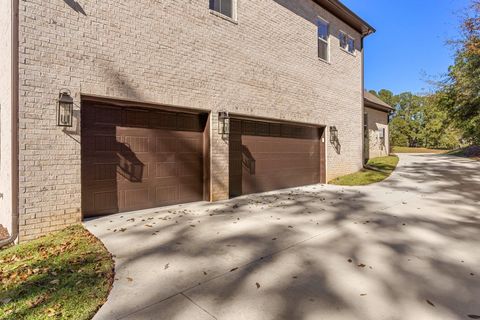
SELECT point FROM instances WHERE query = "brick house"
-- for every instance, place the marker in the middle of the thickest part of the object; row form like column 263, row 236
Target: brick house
column 173, row 101
column 377, row 113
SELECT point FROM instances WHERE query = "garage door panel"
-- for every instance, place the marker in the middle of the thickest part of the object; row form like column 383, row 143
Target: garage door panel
column 102, row 116
column 105, row 200
column 137, row 198
column 144, row 159
column 270, row 156
column 100, row 142
column 190, row 145
column 190, row 169
column 166, row 195
column 165, row 169
column 134, row 144
column 137, row 118
column 165, row 145
column 187, row 191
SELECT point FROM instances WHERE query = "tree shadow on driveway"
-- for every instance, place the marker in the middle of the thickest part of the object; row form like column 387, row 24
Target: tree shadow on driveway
column 401, row 249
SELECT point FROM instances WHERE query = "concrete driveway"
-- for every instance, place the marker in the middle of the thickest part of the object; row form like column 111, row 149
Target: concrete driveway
column 406, row 248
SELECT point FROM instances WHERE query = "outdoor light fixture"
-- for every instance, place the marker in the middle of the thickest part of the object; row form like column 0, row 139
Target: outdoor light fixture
column 223, row 123
column 333, row 135
column 65, row 109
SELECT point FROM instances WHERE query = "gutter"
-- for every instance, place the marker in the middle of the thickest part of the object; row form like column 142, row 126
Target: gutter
column 341, row 6
column 14, row 113
column 342, row 12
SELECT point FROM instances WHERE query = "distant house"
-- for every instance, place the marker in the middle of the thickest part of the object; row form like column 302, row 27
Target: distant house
column 377, row 136
column 172, row 102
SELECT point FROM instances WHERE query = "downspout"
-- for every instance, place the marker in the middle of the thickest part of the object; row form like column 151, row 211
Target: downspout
column 364, row 155
column 14, row 114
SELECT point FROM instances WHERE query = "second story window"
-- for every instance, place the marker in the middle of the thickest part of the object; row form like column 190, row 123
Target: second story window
column 323, row 35
column 225, row 7
column 351, row 45
column 347, row 43
column 342, row 36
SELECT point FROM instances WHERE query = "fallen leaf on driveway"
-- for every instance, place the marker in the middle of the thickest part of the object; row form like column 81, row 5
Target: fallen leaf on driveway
column 258, row 285
column 363, row 294
column 290, row 227
column 350, row 260
column 166, row 266
column 362, row 265
column 274, row 239
column 193, row 226
column 430, row 303
column 473, row 316
column 234, row 269
column 129, row 279
column 123, row 229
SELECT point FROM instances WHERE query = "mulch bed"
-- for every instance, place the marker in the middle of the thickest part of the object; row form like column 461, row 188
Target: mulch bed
column 472, row 152
column 3, row 233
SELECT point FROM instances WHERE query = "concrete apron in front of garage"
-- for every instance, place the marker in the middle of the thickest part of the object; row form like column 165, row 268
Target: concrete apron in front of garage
column 405, row 248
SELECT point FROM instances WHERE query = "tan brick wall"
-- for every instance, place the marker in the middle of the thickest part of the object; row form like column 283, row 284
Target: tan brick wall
column 377, row 120
column 176, row 53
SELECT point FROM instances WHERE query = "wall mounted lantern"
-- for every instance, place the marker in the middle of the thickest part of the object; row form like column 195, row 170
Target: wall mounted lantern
column 333, row 135
column 223, row 123
column 65, row 109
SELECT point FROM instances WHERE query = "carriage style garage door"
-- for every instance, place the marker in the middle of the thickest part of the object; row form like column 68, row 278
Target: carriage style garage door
column 268, row 156
column 134, row 158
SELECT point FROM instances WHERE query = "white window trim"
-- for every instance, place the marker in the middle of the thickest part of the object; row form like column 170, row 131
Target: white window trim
column 346, row 49
column 234, row 18
column 325, row 41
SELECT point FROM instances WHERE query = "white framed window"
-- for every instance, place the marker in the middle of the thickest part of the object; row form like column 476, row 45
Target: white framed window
column 227, row 8
column 351, row 45
column 343, row 38
column 347, row 43
column 323, row 39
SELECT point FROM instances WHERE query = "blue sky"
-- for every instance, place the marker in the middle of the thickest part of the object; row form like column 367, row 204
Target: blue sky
column 409, row 45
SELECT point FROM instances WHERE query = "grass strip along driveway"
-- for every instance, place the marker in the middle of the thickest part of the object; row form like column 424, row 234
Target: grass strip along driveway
column 376, row 170
column 418, row 150
column 65, row 275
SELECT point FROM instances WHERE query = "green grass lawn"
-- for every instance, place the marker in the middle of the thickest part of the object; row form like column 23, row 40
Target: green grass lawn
column 417, row 150
column 65, row 275
column 377, row 170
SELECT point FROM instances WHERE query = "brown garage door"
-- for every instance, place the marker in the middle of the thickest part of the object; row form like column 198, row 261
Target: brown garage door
column 269, row 156
column 140, row 158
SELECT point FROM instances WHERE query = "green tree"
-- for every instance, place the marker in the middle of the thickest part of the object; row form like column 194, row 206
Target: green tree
column 419, row 121
column 407, row 123
column 438, row 132
column 460, row 93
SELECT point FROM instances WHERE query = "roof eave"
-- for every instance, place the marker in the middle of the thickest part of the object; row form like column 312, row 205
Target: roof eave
column 378, row 107
column 345, row 14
